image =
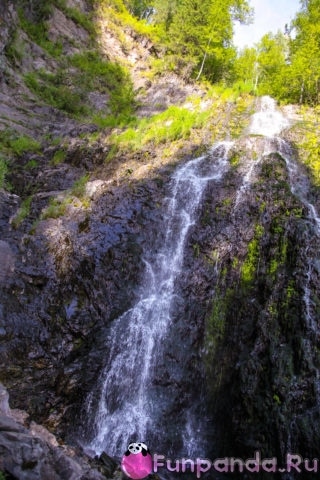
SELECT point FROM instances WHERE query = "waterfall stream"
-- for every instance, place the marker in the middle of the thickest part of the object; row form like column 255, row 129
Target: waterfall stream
column 129, row 405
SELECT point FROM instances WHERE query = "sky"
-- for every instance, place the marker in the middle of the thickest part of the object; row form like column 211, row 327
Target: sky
column 270, row 16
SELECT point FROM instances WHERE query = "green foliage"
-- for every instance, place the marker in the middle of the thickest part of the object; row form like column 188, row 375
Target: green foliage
column 52, row 90
column 90, row 72
column 286, row 68
column 15, row 48
column 2, row 476
column 308, row 141
column 249, row 266
column 23, row 212
column 84, row 20
column 13, row 143
column 79, row 186
column 199, row 34
column 100, row 74
column 170, row 125
column 37, row 31
column 76, row 196
column 56, row 208
column 59, row 157
column 24, row 144
column 3, row 171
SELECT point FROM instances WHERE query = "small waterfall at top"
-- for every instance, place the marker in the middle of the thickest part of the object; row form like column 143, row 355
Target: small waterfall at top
column 129, row 406
column 270, row 122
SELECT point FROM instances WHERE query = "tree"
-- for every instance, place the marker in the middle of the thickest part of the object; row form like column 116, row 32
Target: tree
column 200, row 33
column 271, row 57
column 305, row 54
column 247, row 68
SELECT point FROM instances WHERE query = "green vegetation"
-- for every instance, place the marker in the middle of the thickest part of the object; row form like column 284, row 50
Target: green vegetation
column 14, row 144
column 308, row 141
column 170, row 125
column 99, row 74
column 52, row 89
column 2, row 476
column 215, row 323
column 23, row 212
column 3, row 171
column 76, row 196
column 37, row 31
column 285, row 67
column 90, row 73
column 59, row 157
column 249, row 266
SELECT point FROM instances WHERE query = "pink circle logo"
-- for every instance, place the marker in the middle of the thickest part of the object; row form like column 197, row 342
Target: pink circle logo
column 137, row 461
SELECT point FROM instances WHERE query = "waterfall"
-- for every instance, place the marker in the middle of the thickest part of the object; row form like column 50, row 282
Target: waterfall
column 269, row 123
column 128, row 402
column 129, row 405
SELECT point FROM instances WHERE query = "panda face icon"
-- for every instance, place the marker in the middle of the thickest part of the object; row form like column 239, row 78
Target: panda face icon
column 136, row 448
column 137, row 461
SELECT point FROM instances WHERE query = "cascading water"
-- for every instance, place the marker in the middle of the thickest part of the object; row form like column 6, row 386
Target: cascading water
column 129, row 402
column 269, row 122
column 130, row 406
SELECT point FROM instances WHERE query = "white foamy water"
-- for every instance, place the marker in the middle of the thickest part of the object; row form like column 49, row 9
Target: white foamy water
column 126, row 407
column 268, row 121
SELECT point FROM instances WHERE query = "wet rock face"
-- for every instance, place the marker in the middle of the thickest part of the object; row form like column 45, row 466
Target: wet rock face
column 250, row 268
column 71, row 278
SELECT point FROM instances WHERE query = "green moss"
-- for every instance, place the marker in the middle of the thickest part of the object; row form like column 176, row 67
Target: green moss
column 215, row 323
column 249, row 266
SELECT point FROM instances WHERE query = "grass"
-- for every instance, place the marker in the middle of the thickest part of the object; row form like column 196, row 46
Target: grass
column 59, row 157
column 172, row 124
column 89, row 72
column 83, row 20
column 3, row 171
column 51, row 88
column 75, row 196
column 22, row 213
column 119, row 18
column 101, row 75
column 13, row 143
column 37, row 32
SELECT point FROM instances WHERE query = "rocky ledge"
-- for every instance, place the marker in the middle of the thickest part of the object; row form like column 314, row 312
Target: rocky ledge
column 33, row 453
